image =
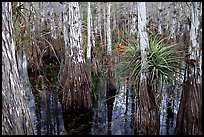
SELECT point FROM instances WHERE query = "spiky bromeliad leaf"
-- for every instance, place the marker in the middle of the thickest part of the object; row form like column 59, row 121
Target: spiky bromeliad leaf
column 163, row 60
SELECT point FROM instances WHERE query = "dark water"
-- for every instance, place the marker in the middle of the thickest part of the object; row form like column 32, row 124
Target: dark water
column 121, row 120
column 48, row 120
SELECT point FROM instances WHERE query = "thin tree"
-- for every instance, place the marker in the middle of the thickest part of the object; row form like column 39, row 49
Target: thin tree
column 52, row 22
column 112, row 86
column 160, row 18
column 111, row 82
column 88, row 54
column 15, row 112
column 147, row 115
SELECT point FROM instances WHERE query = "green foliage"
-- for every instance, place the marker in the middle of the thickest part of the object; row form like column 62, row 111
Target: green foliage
column 163, row 60
column 19, row 14
column 185, row 20
column 131, row 60
column 17, row 11
column 84, row 9
column 94, row 77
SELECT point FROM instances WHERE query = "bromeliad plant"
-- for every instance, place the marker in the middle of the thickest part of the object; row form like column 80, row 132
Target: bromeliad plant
column 163, row 60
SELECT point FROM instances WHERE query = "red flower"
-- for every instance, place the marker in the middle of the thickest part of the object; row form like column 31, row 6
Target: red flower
column 118, row 46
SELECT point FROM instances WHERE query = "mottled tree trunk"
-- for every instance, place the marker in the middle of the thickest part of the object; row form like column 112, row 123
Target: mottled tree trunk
column 189, row 120
column 160, row 18
column 88, row 54
column 147, row 114
column 75, row 79
column 15, row 113
column 133, row 28
column 52, row 22
column 173, row 22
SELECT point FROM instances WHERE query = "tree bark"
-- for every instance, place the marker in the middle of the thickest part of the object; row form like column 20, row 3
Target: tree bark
column 160, row 18
column 52, row 22
column 111, row 82
column 15, row 112
column 147, row 114
column 189, row 120
column 75, row 79
column 88, row 54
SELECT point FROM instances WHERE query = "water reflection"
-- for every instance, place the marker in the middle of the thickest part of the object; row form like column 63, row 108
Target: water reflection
column 49, row 120
column 169, row 109
column 121, row 123
column 48, row 111
column 100, row 117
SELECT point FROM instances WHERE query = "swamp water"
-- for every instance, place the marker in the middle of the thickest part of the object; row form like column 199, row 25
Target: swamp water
column 47, row 118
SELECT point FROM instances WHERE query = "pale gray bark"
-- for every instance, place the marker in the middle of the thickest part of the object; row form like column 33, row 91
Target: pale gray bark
column 52, row 23
column 114, row 21
column 144, row 44
column 104, row 23
column 195, row 48
column 173, row 22
column 109, row 52
column 88, row 54
column 74, row 27
column 15, row 113
column 160, row 18
column 65, row 27
column 133, row 28
column 32, row 23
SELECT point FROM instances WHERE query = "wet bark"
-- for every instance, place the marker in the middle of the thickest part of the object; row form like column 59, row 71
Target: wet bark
column 15, row 113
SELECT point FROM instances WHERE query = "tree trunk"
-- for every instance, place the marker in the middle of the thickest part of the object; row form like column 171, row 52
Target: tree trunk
column 88, row 54
column 173, row 23
column 75, row 80
column 105, row 33
column 189, row 120
column 111, row 82
column 147, row 114
column 52, row 22
column 133, row 28
column 15, row 113
column 160, row 18
column 112, row 87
